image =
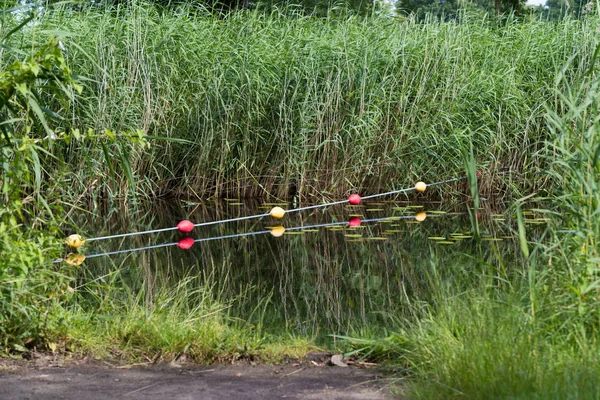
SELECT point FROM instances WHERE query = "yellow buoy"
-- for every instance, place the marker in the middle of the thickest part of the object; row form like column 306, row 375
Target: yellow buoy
column 277, row 231
column 420, row 216
column 420, row 186
column 75, row 241
column 277, row 212
column 74, row 259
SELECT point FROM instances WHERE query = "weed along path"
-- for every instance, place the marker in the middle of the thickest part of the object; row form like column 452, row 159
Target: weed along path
column 81, row 381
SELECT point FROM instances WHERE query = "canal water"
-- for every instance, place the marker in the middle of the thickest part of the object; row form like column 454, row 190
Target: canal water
column 316, row 281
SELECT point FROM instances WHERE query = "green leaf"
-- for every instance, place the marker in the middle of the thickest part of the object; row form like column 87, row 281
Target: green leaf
column 37, row 168
column 18, row 347
column 169, row 139
column 35, row 68
column 18, row 27
column 11, row 121
column 46, row 205
column 127, row 165
column 40, row 114
column 108, row 159
column 22, row 88
column 522, row 234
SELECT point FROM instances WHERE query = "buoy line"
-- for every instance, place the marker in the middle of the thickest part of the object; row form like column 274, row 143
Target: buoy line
column 187, row 242
column 186, row 226
column 182, row 227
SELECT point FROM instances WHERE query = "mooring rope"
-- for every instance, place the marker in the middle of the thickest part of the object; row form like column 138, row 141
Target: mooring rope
column 187, row 242
column 186, row 226
column 121, row 235
column 176, row 243
column 176, row 227
column 412, row 188
column 155, row 246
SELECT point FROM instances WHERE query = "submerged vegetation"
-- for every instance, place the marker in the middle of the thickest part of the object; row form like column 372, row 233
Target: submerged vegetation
column 135, row 102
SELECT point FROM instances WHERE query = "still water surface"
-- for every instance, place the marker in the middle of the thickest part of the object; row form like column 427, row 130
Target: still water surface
column 317, row 281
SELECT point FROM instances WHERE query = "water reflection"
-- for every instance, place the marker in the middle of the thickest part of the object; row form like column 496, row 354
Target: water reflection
column 326, row 274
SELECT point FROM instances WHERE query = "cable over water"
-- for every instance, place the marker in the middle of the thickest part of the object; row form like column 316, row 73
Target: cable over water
column 187, row 242
column 186, row 226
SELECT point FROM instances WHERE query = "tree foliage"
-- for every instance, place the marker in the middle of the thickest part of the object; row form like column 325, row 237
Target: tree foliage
column 449, row 10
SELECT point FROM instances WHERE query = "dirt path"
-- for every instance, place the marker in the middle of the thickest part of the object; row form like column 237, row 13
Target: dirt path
column 83, row 381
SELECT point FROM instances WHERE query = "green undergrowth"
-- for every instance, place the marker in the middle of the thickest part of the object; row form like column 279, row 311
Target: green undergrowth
column 477, row 345
column 309, row 107
column 52, row 306
column 528, row 330
column 108, row 319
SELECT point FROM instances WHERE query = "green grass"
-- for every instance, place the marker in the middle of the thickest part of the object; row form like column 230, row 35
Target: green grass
column 530, row 332
column 107, row 319
column 278, row 104
column 475, row 346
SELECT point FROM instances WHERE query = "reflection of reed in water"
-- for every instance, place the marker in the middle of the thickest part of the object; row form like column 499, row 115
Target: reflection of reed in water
column 317, row 282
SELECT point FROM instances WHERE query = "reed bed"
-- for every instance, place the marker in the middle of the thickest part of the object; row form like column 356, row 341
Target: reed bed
column 282, row 104
column 533, row 333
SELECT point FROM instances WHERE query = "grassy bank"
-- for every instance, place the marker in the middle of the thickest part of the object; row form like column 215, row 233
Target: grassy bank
column 529, row 331
column 164, row 321
column 273, row 104
column 485, row 345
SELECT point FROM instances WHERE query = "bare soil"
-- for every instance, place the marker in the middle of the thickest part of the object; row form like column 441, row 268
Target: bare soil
column 49, row 378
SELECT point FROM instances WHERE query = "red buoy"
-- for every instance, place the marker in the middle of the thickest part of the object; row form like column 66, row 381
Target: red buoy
column 185, row 243
column 185, row 226
column 354, row 222
column 354, row 199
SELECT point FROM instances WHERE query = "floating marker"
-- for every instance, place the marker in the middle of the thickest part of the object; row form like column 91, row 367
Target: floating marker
column 354, row 199
column 75, row 241
column 277, row 213
column 420, row 186
column 277, row 231
column 420, row 216
column 185, row 226
column 354, row 222
column 74, row 258
column 185, row 243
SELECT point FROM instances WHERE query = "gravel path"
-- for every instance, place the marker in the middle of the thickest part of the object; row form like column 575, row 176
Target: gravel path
column 95, row 380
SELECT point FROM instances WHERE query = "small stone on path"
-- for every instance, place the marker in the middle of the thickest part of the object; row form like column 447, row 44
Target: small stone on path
column 337, row 361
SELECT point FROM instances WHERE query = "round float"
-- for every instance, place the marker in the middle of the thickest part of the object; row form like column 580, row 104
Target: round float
column 277, row 231
column 354, row 199
column 420, row 186
column 354, row 222
column 420, row 216
column 185, row 226
column 185, row 243
column 75, row 241
column 277, row 212
column 75, row 259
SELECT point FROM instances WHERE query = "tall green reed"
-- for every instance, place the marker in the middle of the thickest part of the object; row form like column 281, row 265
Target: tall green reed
column 575, row 170
column 529, row 332
column 279, row 105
